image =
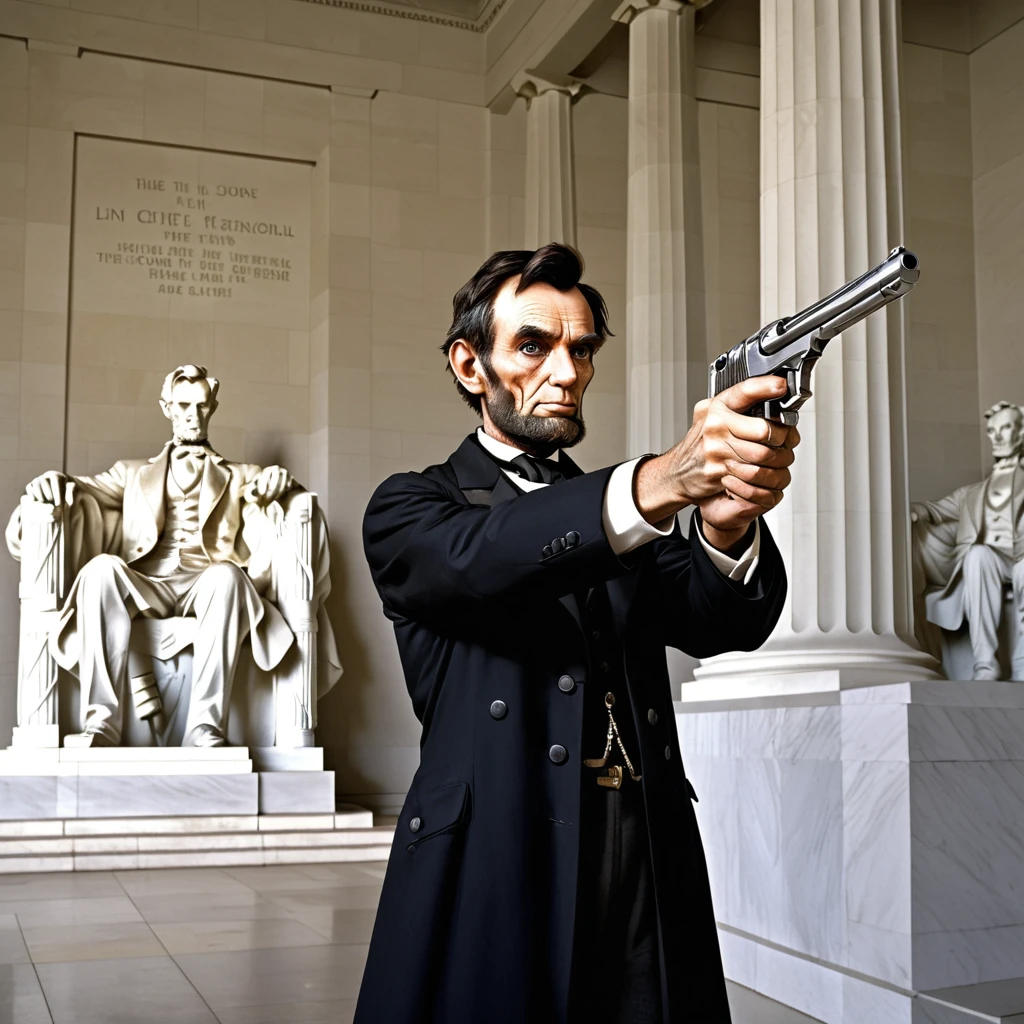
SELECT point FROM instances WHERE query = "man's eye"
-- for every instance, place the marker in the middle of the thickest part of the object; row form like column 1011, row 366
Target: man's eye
column 583, row 352
column 530, row 348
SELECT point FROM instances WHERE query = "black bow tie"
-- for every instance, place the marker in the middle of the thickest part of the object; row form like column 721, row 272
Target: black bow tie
column 538, row 471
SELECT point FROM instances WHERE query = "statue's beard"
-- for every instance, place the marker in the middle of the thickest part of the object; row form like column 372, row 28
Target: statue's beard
column 539, row 434
column 189, row 435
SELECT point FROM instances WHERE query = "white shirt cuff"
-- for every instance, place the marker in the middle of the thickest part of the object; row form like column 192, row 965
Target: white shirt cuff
column 624, row 526
column 742, row 568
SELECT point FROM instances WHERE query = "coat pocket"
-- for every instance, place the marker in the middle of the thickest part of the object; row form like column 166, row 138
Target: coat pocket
column 433, row 812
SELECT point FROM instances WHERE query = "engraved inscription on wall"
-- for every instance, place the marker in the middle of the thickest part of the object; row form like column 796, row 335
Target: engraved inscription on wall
column 168, row 231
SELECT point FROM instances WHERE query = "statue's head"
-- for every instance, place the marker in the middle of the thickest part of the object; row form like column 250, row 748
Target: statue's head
column 1004, row 424
column 188, row 399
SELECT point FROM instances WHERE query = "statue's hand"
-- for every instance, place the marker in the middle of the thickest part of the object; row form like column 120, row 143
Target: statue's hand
column 920, row 513
column 272, row 483
column 48, row 488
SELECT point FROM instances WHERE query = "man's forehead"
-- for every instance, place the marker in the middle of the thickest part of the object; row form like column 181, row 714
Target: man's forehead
column 543, row 305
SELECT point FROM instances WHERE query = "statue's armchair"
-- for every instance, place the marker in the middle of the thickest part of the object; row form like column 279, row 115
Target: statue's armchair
column 273, row 706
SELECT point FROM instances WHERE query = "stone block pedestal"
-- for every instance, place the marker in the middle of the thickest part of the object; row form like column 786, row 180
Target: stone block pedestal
column 866, row 847
column 126, row 807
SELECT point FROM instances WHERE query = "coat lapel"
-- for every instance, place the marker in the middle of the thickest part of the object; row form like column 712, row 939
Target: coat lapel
column 1018, row 493
column 976, row 507
column 152, row 479
column 215, row 480
column 483, row 482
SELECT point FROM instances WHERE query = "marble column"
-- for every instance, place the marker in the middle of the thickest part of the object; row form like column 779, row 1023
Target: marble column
column 665, row 315
column 831, row 207
column 550, row 175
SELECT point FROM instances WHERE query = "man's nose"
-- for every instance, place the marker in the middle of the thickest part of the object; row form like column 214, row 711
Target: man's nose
column 562, row 368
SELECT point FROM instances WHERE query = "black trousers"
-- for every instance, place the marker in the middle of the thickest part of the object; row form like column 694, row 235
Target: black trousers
column 615, row 978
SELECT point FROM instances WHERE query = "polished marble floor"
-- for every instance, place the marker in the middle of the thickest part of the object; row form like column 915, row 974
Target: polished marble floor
column 268, row 945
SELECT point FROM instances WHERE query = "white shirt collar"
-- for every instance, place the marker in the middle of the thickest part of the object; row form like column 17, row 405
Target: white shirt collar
column 499, row 449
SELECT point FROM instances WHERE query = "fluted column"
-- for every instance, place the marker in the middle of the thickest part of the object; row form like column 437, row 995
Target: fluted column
column 667, row 350
column 550, row 174
column 831, row 206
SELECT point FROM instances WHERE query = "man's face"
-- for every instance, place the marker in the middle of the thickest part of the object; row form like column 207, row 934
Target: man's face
column 539, row 367
column 189, row 410
column 1005, row 432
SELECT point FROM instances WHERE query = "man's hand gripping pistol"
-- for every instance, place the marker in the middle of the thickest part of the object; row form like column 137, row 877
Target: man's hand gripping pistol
column 790, row 347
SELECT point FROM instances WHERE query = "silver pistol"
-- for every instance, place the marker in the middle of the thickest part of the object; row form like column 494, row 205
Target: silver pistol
column 790, row 347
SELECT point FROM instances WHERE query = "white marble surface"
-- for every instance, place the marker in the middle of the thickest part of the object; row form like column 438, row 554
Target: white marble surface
column 145, row 795
column 882, row 837
column 283, row 759
column 968, row 841
column 296, row 792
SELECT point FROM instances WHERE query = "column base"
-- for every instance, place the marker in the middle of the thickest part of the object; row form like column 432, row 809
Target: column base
column 800, row 665
column 863, row 845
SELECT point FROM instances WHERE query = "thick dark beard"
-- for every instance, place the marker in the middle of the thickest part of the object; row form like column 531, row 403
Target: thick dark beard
column 540, row 435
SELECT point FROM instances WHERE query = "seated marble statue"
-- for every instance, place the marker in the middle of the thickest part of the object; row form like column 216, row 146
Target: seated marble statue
column 174, row 536
column 969, row 547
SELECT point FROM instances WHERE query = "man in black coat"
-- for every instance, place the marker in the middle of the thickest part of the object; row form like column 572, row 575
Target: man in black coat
column 546, row 864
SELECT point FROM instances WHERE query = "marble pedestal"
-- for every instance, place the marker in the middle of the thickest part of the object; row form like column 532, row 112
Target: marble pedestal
column 65, row 809
column 100, row 782
column 866, row 847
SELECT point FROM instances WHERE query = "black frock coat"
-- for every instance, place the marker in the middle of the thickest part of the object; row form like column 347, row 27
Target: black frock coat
column 475, row 921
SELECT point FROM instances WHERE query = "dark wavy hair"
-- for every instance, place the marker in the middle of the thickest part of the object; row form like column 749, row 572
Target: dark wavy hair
column 473, row 306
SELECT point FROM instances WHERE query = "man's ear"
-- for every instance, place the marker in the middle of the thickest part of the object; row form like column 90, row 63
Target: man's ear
column 466, row 367
column 165, row 408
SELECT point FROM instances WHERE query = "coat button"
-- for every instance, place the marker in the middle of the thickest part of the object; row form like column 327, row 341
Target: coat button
column 558, row 754
column 414, row 825
column 558, row 544
column 668, row 753
column 546, row 551
column 652, row 716
column 566, row 684
column 499, row 709
column 572, row 538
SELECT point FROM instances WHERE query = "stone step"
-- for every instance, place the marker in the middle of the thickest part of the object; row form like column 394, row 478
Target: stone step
column 123, row 843
column 992, row 1002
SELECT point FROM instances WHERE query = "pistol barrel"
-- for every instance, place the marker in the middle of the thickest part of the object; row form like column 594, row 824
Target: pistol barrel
column 845, row 306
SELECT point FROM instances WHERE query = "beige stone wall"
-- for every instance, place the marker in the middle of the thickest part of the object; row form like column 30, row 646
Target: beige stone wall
column 154, row 286
column 942, row 352
column 997, row 124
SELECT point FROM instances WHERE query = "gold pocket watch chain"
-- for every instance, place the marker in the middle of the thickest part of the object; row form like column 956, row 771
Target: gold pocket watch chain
column 614, row 779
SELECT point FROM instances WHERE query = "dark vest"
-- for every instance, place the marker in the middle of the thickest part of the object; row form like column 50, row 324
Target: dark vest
column 606, row 675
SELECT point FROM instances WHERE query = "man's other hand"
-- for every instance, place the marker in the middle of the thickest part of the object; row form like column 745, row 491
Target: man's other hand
column 732, row 466
column 48, row 488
